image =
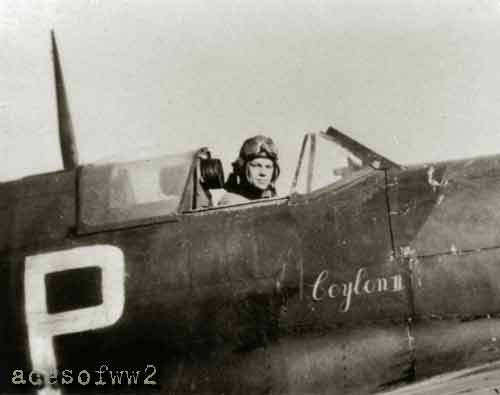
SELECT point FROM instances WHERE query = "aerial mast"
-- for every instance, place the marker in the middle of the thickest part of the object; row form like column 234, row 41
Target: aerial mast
column 65, row 125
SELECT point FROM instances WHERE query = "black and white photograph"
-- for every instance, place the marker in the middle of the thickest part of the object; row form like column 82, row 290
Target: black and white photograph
column 250, row 197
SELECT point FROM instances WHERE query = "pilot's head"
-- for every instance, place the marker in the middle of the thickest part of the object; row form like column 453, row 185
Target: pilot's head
column 257, row 164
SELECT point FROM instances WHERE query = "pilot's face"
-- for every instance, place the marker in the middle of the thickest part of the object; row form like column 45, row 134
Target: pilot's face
column 260, row 172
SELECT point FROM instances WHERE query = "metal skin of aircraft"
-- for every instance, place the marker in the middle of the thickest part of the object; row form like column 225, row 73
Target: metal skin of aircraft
column 384, row 277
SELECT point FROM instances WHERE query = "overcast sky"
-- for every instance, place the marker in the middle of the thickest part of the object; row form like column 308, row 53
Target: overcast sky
column 416, row 80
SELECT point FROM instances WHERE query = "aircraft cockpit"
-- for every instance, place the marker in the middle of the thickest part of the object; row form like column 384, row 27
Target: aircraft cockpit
column 119, row 195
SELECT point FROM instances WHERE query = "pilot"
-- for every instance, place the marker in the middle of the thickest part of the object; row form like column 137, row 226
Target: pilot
column 254, row 172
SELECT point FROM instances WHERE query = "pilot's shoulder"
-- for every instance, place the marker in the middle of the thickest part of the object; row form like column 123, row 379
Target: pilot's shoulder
column 231, row 198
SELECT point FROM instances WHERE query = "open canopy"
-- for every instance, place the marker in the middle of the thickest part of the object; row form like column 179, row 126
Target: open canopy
column 118, row 194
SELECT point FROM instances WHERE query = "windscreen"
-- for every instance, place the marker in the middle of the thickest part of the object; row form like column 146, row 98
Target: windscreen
column 324, row 163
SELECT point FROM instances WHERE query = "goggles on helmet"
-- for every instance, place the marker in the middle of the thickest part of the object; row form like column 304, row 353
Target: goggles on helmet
column 259, row 147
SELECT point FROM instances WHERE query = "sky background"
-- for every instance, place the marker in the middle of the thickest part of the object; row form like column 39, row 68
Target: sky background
column 416, row 80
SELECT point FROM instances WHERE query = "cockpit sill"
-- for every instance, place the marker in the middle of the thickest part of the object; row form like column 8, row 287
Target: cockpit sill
column 275, row 201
